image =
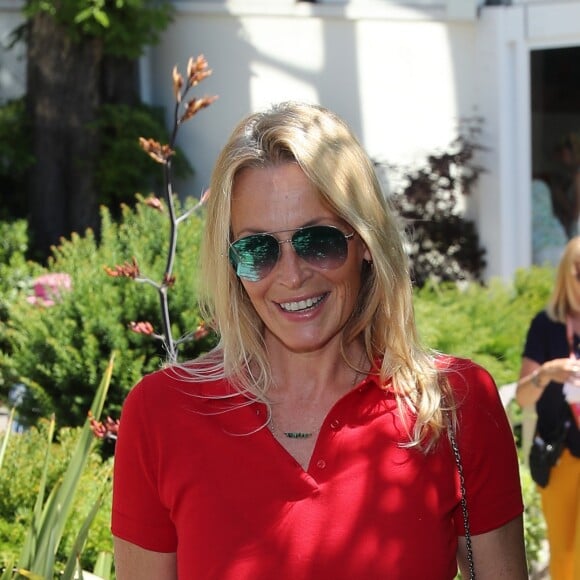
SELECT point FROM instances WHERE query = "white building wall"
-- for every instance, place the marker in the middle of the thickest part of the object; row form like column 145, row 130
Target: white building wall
column 402, row 73
column 12, row 61
column 402, row 77
column 503, row 198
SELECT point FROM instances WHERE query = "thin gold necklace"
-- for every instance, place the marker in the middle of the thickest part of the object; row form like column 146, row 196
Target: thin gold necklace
column 303, row 434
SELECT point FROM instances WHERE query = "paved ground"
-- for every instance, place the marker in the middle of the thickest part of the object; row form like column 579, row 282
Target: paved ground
column 542, row 573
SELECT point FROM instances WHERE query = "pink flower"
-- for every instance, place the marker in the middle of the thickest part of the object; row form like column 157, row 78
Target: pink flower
column 48, row 288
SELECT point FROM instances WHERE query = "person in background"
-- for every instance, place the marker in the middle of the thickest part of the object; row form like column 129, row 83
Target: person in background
column 550, row 368
column 319, row 439
column 548, row 234
column 565, row 183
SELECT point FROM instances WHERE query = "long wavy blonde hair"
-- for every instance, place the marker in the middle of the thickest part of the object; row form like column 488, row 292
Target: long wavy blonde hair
column 564, row 299
column 334, row 161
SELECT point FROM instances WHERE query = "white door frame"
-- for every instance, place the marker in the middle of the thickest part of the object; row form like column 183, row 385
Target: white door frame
column 506, row 37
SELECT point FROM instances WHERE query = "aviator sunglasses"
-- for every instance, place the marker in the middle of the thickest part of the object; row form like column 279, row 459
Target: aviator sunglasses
column 254, row 257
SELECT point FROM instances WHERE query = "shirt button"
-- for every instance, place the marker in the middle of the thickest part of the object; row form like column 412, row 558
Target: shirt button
column 321, row 464
column 335, row 424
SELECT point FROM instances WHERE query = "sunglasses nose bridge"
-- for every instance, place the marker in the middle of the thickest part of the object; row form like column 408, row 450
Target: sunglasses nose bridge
column 281, row 246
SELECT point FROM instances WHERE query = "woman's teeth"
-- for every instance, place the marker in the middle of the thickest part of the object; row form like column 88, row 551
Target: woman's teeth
column 301, row 305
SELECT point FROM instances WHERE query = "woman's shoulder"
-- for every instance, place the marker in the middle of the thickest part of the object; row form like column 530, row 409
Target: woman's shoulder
column 543, row 318
column 459, row 366
column 469, row 381
column 542, row 324
column 198, row 379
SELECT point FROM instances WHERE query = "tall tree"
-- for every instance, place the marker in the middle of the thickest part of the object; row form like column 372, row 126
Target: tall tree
column 81, row 54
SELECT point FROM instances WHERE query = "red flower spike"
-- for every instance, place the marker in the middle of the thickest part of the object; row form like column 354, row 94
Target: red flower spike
column 205, row 196
column 157, row 152
column 154, row 202
column 197, row 70
column 169, row 281
column 126, row 270
column 200, row 332
column 141, row 327
column 107, row 430
column 196, row 105
column 177, row 84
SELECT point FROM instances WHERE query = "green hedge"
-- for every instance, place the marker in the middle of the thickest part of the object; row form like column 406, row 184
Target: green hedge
column 60, row 352
column 487, row 324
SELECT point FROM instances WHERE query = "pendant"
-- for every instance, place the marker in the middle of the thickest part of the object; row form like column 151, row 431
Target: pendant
column 297, row 435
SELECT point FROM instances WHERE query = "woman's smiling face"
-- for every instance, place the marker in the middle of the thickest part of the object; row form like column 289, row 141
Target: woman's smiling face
column 304, row 308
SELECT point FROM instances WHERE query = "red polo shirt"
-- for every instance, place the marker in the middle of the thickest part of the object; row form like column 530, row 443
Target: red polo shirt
column 193, row 475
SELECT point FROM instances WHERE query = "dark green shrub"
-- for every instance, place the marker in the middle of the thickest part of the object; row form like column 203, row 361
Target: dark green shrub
column 485, row 323
column 15, row 158
column 122, row 169
column 60, row 352
column 126, row 26
column 120, row 127
column 15, row 270
column 443, row 243
column 15, row 275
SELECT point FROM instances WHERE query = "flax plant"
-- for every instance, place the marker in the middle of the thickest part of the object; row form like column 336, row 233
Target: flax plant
column 49, row 516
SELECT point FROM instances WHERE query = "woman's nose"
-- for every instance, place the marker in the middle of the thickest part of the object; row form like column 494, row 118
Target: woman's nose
column 291, row 269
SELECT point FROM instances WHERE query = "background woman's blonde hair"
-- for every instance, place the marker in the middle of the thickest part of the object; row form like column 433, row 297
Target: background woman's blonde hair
column 564, row 299
column 334, row 161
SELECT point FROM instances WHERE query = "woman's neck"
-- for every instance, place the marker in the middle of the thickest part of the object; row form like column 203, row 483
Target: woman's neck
column 314, row 376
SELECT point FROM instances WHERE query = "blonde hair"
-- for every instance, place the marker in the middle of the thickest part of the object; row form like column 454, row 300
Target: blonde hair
column 334, row 161
column 564, row 299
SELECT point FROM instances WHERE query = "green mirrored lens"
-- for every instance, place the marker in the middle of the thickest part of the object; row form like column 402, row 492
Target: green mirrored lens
column 322, row 246
column 253, row 257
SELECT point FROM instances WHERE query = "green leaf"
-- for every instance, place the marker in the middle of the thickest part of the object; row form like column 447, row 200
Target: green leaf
column 83, row 15
column 48, row 522
column 102, row 18
column 104, row 565
column 74, row 557
column 30, row 544
column 6, row 436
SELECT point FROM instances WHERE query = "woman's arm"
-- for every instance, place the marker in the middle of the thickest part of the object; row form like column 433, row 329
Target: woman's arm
column 497, row 555
column 132, row 562
column 534, row 378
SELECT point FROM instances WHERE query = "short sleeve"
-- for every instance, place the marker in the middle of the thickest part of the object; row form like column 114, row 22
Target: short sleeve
column 546, row 339
column 534, row 346
column 138, row 515
column 488, row 451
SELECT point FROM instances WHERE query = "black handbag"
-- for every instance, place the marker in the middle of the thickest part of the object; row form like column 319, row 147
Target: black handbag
column 544, row 455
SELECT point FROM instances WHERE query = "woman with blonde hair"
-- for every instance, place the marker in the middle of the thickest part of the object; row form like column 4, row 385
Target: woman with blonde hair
column 550, row 380
column 319, row 439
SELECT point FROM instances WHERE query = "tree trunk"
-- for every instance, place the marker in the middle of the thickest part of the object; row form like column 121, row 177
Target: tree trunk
column 120, row 81
column 62, row 101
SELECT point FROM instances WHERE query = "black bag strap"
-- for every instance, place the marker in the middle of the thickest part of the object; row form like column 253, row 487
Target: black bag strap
column 457, row 456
